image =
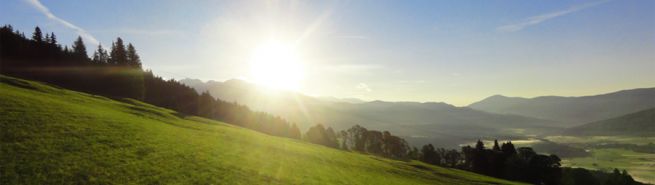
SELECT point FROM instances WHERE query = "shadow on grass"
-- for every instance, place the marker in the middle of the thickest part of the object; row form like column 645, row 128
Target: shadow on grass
column 18, row 83
column 442, row 174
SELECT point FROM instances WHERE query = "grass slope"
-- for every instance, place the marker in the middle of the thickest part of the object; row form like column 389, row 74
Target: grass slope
column 640, row 123
column 55, row 136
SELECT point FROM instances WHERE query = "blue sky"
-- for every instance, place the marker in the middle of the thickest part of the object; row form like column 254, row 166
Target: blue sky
column 452, row 51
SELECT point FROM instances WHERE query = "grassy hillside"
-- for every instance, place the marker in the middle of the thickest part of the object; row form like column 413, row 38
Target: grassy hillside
column 55, row 136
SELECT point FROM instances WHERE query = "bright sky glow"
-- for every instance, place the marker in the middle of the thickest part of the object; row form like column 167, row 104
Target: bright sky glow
column 456, row 52
column 276, row 65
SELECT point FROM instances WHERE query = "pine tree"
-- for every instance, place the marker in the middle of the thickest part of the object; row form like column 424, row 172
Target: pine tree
column 37, row 36
column 47, row 38
column 508, row 148
column 100, row 56
column 133, row 58
column 479, row 145
column 79, row 49
column 118, row 54
column 496, row 147
column 53, row 39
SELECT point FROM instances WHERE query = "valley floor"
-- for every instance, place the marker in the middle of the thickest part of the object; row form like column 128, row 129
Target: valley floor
column 639, row 164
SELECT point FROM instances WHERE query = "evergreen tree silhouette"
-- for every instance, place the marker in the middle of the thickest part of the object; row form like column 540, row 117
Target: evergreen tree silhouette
column 100, row 56
column 133, row 58
column 479, row 145
column 37, row 36
column 508, row 148
column 118, row 54
column 47, row 38
column 79, row 49
column 53, row 39
column 496, row 147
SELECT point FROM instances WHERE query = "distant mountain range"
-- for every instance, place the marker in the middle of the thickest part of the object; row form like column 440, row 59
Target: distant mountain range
column 640, row 123
column 438, row 123
column 572, row 111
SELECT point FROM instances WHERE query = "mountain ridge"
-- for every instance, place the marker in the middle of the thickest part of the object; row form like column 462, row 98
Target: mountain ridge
column 571, row 110
column 641, row 123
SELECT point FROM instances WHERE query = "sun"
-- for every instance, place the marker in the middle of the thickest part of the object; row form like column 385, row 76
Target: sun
column 276, row 65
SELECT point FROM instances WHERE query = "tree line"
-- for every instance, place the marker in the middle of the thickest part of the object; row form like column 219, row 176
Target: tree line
column 522, row 164
column 118, row 73
column 360, row 139
column 503, row 161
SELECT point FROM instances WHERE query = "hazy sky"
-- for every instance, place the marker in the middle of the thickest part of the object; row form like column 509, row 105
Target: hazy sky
column 457, row 52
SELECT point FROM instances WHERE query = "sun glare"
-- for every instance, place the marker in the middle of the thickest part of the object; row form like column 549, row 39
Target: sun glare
column 276, row 65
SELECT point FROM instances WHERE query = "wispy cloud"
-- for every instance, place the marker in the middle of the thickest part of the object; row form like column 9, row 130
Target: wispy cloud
column 534, row 20
column 363, row 87
column 43, row 9
column 141, row 32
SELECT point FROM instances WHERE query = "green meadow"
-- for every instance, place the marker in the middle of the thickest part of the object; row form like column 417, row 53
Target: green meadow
column 51, row 135
column 640, row 165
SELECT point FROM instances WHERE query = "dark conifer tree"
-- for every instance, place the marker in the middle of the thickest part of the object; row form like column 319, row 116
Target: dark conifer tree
column 479, row 145
column 47, row 38
column 508, row 148
column 118, row 54
column 53, row 39
column 79, row 49
column 100, row 56
column 480, row 163
column 133, row 58
column 37, row 36
column 496, row 147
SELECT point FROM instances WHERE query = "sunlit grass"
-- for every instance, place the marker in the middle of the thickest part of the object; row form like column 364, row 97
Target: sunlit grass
column 56, row 136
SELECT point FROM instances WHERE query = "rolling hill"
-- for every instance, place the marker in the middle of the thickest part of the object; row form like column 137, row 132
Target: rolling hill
column 420, row 123
column 572, row 111
column 49, row 135
column 640, row 123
